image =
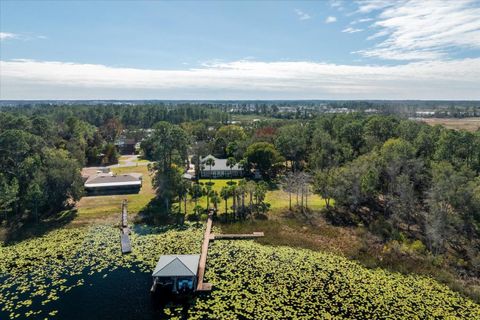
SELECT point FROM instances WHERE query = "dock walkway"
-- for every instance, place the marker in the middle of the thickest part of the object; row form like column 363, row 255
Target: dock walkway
column 209, row 236
column 201, row 286
column 125, row 230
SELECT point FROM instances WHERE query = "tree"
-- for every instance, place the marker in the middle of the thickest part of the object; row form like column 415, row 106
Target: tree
column 231, row 162
column 168, row 148
column 111, row 129
column 323, row 184
column 231, row 133
column 398, row 158
column 167, row 145
column 183, row 195
column 264, row 157
column 405, row 201
column 8, row 194
column 195, row 192
column 208, row 192
column 63, row 181
column 225, row 194
column 379, row 129
column 356, row 183
column 210, row 162
column 292, row 143
column 288, row 186
column 450, row 205
column 215, row 200
column 327, row 152
column 168, row 185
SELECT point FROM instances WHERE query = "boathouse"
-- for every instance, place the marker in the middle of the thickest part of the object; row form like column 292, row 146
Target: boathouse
column 176, row 273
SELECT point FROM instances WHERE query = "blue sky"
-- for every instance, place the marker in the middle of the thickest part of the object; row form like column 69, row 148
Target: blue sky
column 335, row 49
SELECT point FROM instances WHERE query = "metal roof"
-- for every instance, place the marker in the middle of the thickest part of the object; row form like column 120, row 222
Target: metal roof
column 220, row 164
column 106, row 180
column 181, row 265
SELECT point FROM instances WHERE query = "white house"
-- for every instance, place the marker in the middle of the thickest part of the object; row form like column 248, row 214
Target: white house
column 219, row 169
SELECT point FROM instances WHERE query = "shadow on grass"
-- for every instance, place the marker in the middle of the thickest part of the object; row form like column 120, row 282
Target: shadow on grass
column 23, row 229
column 154, row 219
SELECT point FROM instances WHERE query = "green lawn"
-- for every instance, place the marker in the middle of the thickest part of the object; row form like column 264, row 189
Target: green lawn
column 278, row 199
column 105, row 207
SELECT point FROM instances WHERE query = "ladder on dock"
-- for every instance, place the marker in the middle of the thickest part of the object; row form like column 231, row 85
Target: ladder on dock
column 125, row 230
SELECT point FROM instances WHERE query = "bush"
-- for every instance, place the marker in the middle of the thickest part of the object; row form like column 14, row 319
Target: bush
column 192, row 217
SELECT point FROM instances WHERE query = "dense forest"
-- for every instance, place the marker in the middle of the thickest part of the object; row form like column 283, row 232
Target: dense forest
column 415, row 186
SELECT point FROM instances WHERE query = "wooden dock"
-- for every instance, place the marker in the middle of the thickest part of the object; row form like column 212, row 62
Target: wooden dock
column 201, row 286
column 209, row 236
column 125, row 230
column 236, row 236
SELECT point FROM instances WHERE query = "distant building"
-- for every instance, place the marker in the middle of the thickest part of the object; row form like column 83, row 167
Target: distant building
column 108, row 183
column 176, row 273
column 126, row 146
column 219, row 169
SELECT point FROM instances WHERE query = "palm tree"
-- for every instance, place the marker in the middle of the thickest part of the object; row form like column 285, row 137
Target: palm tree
column 215, row 200
column 210, row 162
column 195, row 192
column 208, row 193
column 225, row 193
column 233, row 192
column 231, row 162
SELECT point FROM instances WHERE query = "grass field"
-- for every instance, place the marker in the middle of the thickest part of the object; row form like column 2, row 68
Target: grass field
column 277, row 199
column 107, row 206
column 469, row 124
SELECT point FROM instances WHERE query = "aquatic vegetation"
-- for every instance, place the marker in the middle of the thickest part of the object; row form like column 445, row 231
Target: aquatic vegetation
column 250, row 280
column 36, row 272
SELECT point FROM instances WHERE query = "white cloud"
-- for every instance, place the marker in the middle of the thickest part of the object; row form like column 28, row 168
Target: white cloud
column 352, row 30
column 366, row 6
column 361, row 21
column 302, row 15
column 7, row 35
column 23, row 36
column 27, row 79
column 418, row 29
column 336, row 3
column 330, row 19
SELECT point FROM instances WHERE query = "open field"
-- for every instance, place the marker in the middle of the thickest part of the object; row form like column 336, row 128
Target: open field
column 469, row 124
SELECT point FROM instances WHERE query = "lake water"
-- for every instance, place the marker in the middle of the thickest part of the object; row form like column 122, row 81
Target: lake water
column 122, row 295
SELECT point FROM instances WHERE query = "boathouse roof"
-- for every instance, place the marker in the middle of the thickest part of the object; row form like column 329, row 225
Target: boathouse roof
column 185, row 265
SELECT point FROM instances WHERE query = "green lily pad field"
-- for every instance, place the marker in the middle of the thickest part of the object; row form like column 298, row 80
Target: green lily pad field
column 48, row 277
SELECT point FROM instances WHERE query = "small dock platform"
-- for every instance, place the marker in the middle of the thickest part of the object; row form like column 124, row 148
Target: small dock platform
column 125, row 243
column 125, row 230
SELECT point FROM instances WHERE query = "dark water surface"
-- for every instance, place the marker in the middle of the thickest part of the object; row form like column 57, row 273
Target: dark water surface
column 121, row 295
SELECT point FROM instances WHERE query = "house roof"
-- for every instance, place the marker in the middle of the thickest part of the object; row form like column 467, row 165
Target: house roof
column 220, row 164
column 185, row 265
column 107, row 180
